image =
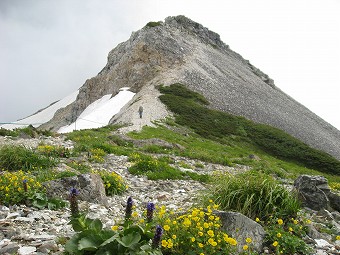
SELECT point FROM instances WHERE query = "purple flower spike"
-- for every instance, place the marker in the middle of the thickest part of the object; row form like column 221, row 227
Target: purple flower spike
column 73, row 202
column 157, row 237
column 149, row 211
column 74, row 192
column 24, row 183
column 128, row 210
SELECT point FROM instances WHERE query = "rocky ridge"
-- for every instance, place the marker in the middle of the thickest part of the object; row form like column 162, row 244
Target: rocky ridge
column 27, row 231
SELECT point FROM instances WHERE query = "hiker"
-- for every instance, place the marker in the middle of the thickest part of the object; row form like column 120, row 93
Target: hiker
column 140, row 110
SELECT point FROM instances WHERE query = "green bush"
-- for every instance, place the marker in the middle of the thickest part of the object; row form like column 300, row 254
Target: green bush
column 285, row 236
column 197, row 231
column 254, row 194
column 13, row 158
column 153, row 24
column 7, row 132
column 156, row 169
column 54, row 151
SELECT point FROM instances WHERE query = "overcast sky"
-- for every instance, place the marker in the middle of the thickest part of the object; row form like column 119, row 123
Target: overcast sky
column 49, row 48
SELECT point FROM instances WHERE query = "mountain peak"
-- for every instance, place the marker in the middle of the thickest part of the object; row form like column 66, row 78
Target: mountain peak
column 180, row 50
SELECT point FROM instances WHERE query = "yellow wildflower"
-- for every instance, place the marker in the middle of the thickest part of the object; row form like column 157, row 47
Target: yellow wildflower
column 211, row 233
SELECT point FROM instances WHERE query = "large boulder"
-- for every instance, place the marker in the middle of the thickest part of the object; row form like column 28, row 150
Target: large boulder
column 241, row 227
column 90, row 187
column 314, row 193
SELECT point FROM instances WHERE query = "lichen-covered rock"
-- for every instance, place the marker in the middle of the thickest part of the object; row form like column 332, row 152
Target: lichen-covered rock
column 90, row 187
column 241, row 227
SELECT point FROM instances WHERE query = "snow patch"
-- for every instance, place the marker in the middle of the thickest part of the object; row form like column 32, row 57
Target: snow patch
column 99, row 113
column 44, row 115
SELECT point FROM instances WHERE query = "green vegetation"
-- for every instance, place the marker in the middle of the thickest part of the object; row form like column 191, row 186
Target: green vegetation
column 197, row 133
column 253, row 194
column 14, row 158
column 113, row 182
column 156, row 169
column 153, row 24
column 29, row 131
column 129, row 237
column 197, row 231
column 191, row 111
column 285, row 236
column 101, row 138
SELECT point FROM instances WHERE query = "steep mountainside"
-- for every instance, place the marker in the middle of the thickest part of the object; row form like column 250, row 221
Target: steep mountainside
column 181, row 50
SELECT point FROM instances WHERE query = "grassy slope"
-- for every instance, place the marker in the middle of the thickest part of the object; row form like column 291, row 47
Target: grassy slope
column 191, row 110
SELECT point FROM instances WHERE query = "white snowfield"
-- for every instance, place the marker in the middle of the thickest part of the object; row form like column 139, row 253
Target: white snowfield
column 44, row 115
column 99, row 113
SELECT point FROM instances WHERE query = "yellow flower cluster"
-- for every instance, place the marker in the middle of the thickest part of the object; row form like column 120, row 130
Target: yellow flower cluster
column 12, row 187
column 198, row 230
column 113, row 182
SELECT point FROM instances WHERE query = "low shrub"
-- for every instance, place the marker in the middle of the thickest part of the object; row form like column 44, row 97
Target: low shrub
column 13, row 158
column 153, row 24
column 159, row 169
column 253, row 194
column 113, row 182
column 54, row 151
column 197, row 231
column 285, row 236
column 16, row 187
column 24, row 188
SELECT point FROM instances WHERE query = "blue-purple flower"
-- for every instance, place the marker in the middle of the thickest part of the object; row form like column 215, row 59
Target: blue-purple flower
column 157, row 237
column 128, row 210
column 24, row 183
column 149, row 211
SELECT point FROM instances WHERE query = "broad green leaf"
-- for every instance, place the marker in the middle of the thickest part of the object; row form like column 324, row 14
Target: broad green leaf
column 129, row 240
column 89, row 243
column 96, row 225
column 72, row 245
column 110, row 240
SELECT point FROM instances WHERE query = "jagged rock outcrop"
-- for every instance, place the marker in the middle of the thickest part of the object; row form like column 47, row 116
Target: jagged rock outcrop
column 314, row 193
column 181, row 50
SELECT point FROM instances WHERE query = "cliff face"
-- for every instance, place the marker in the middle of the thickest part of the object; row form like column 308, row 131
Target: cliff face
column 181, row 50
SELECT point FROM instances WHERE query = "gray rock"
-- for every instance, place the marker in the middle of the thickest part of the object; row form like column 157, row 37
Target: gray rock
column 326, row 214
column 90, row 187
column 10, row 248
column 241, row 227
column 312, row 191
column 334, row 200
